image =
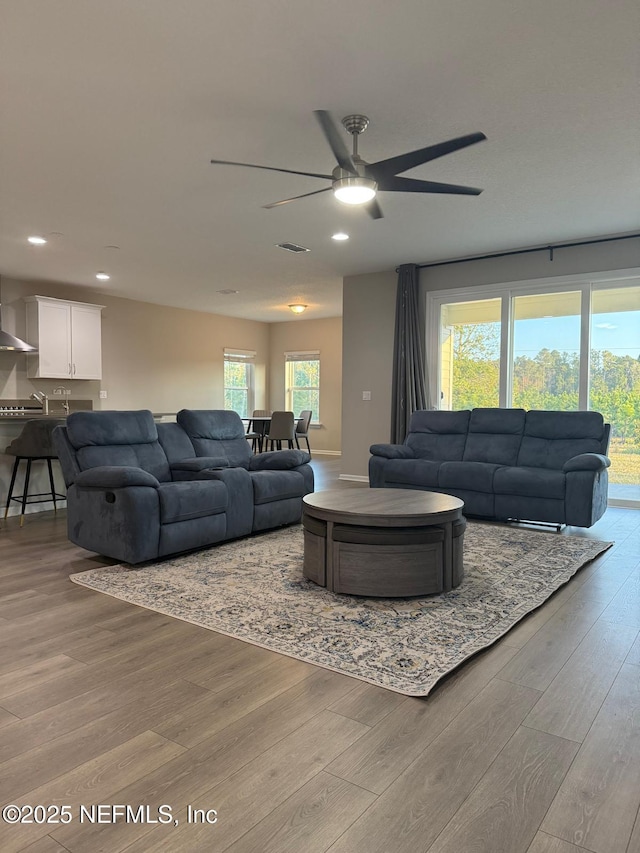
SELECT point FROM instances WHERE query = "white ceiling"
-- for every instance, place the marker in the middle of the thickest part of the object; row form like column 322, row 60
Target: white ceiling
column 112, row 109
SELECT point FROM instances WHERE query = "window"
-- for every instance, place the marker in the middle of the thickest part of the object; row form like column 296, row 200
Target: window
column 546, row 351
column 302, row 378
column 564, row 345
column 239, row 371
column 614, row 387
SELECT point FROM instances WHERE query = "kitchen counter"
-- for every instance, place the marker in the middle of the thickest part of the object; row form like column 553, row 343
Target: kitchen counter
column 25, row 410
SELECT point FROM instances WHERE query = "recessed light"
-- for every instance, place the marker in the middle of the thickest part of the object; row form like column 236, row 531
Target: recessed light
column 36, row 241
column 103, row 276
column 339, row 235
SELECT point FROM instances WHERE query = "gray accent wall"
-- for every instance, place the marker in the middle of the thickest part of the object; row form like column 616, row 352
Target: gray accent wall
column 368, row 319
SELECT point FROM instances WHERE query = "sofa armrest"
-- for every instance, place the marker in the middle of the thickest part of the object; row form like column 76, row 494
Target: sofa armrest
column 200, row 463
column 115, row 477
column 392, row 451
column 587, row 462
column 278, row 460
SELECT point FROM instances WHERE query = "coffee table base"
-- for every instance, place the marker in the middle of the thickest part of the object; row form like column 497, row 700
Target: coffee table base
column 383, row 561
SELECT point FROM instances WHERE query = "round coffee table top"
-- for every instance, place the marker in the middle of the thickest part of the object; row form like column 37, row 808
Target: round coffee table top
column 383, row 507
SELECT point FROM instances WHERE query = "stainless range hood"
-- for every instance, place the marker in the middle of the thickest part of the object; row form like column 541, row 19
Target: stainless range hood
column 8, row 342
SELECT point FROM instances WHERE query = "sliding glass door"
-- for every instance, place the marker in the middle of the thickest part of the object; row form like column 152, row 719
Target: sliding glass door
column 615, row 381
column 565, row 349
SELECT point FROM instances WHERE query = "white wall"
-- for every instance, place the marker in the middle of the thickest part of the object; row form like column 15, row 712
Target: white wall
column 325, row 336
column 153, row 357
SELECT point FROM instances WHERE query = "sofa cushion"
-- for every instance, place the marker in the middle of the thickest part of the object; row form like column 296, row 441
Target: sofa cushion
column 552, row 438
column 279, row 460
column 529, row 482
column 412, row 472
column 192, row 499
column 216, row 433
column 117, row 438
column 474, row 476
column 494, row 435
column 438, row 436
column 271, row 486
column 175, row 442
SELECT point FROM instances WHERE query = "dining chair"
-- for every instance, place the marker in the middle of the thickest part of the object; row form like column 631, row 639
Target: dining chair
column 302, row 428
column 256, row 429
column 281, row 428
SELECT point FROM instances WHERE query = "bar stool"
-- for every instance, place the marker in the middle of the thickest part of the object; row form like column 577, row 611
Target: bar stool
column 34, row 443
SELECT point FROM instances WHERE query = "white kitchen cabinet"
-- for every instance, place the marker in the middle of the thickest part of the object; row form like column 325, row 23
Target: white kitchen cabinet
column 68, row 336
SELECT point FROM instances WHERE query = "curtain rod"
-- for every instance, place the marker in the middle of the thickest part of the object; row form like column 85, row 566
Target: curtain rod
column 549, row 249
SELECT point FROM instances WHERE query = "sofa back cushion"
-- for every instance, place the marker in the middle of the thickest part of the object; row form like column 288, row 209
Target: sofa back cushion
column 552, row 438
column 218, row 433
column 117, row 438
column 438, row 436
column 175, row 442
column 494, row 436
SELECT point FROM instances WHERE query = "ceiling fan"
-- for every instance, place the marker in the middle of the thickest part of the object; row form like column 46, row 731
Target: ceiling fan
column 354, row 181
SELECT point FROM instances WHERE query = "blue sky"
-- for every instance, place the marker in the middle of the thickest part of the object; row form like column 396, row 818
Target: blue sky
column 617, row 332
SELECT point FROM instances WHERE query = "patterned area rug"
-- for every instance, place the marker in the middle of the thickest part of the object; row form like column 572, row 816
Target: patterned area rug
column 254, row 590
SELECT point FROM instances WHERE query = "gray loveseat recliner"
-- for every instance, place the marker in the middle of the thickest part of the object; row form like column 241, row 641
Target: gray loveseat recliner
column 137, row 490
column 504, row 463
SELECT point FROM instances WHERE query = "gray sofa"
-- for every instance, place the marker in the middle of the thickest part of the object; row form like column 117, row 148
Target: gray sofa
column 137, row 490
column 504, row 463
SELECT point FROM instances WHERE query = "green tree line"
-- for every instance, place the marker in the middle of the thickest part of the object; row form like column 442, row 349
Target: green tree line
column 548, row 380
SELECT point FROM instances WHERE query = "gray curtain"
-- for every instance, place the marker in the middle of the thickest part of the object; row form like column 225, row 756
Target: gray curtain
column 409, row 391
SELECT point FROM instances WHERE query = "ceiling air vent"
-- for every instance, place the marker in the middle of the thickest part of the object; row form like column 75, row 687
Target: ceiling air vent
column 292, row 247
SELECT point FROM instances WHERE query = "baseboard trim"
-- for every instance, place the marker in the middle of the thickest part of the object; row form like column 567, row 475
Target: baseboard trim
column 325, row 452
column 356, row 478
column 625, row 503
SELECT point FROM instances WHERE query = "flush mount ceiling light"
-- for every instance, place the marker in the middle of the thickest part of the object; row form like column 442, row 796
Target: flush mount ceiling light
column 297, row 307
column 102, row 276
column 339, row 236
column 36, row 241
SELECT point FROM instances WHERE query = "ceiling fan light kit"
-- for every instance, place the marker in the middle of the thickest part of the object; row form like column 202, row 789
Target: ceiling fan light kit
column 354, row 181
column 352, row 190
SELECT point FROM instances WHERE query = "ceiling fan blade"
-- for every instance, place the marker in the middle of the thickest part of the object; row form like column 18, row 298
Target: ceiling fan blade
column 335, row 140
column 295, row 198
column 403, row 162
column 409, row 185
column 373, row 209
column 273, row 169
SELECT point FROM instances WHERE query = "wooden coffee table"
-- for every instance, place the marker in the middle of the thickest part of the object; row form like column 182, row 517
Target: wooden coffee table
column 383, row 542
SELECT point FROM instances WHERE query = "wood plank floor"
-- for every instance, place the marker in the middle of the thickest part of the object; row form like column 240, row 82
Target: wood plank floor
column 531, row 747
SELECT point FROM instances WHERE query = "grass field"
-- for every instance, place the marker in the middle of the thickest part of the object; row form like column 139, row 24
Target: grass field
column 625, row 463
